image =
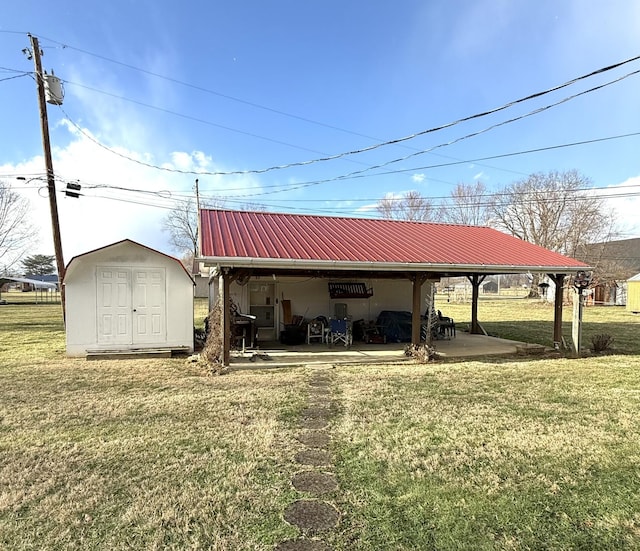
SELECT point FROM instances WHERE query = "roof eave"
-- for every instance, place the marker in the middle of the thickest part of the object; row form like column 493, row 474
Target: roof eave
column 339, row 265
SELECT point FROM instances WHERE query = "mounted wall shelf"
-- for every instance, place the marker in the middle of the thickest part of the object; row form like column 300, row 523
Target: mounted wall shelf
column 349, row 290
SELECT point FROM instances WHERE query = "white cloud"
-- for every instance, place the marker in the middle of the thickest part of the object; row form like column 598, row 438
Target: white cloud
column 626, row 204
column 478, row 175
column 418, row 178
column 121, row 198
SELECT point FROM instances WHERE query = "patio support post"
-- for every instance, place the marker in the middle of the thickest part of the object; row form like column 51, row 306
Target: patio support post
column 558, row 279
column 418, row 280
column 475, row 281
column 224, row 283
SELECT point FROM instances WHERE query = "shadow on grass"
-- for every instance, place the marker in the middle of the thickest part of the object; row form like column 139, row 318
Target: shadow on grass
column 625, row 334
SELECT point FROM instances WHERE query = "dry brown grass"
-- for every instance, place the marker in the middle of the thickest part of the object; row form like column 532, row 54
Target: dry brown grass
column 144, row 454
column 154, row 454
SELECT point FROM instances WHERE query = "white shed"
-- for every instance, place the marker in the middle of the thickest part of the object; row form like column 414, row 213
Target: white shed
column 126, row 297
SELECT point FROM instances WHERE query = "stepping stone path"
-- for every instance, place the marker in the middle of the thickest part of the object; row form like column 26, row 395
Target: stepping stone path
column 312, row 515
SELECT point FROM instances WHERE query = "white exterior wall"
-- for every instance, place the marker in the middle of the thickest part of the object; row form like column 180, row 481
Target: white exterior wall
column 82, row 294
column 310, row 297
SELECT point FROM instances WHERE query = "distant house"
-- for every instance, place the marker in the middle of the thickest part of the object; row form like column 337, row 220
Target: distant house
column 633, row 289
column 47, row 278
column 614, row 263
column 490, row 287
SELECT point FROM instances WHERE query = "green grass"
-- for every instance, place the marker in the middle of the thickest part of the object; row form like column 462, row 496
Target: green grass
column 540, row 454
column 151, row 454
column 530, row 320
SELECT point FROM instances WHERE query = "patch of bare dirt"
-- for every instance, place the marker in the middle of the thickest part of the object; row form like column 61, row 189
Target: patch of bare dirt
column 315, row 458
column 314, row 439
column 311, row 515
column 314, row 482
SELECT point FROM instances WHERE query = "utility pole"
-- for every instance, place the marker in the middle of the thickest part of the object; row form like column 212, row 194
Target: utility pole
column 51, row 182
column 198, row 252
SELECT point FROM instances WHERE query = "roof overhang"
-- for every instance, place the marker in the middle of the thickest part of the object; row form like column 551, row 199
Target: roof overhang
column 400, row 268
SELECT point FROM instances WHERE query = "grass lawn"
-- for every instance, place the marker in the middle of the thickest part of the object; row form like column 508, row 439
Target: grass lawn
column 152, row 454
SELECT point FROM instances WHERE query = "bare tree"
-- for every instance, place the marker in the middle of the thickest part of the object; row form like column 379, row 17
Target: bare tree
column 411, row 206
column 182, row 225
column 468, row 204
column 16, row 231
column 554, row 210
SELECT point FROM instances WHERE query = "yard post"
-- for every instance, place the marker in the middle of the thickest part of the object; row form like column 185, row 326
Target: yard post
column 558, row 279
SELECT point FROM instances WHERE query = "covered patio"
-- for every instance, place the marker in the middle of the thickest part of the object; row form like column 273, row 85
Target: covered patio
column 404, row 259
column 464, row 345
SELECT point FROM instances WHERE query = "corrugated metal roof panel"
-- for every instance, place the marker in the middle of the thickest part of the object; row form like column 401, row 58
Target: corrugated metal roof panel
column 265, row 235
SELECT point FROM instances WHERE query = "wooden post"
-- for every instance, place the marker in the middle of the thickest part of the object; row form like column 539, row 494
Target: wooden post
column 224, row 284
column 418, row 281
column 558, row 279
column 475, row 281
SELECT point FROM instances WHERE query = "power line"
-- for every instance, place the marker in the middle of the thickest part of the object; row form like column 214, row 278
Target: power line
column 412, row 136
column 197, row 119
column 311, row 121
column 440, row 165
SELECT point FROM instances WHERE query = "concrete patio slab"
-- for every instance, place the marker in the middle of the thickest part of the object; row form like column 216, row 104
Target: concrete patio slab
column 463, row 345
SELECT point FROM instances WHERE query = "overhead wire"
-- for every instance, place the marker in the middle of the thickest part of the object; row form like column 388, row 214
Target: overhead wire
column 197, row 119
column 356, row 151
column 369, row 168
column 406, row 138
column 312, row 183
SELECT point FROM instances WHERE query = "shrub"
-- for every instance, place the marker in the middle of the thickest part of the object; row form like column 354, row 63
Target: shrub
column 212, row 353
column 421, row 353
column 601, row 342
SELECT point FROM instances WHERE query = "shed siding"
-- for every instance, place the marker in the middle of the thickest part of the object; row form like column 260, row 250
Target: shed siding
column 633, row 294
column 82, row 308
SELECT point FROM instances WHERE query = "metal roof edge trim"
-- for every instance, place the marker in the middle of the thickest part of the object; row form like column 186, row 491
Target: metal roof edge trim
column 282, row 263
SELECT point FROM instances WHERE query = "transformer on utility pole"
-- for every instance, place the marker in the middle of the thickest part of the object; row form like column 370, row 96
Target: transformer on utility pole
column 51, row 87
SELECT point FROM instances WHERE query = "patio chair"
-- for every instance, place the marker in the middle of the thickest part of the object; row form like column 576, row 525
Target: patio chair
column 340, row 331
column 446, row 326
column 316, row 329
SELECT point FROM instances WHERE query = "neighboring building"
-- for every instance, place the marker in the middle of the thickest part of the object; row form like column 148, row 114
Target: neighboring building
column 126, row 297
column 633, row 294
column 48, row 278
column 490, row 287
column 614, row 262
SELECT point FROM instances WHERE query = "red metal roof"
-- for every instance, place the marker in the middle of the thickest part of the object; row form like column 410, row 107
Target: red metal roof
column 261, row 236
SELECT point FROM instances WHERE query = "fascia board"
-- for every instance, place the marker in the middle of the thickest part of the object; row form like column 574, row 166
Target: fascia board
column 289, row 264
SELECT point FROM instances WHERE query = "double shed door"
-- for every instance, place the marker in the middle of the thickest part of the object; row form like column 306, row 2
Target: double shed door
column 131, row 306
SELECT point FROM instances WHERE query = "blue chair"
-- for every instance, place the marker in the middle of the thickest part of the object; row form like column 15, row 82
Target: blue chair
column 340, row 331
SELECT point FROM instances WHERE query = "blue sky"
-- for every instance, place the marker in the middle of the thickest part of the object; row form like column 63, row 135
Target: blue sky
column 228, row 86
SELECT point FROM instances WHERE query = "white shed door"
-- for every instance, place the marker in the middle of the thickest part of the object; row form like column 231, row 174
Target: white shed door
column 149, row 319
column 131, row 306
